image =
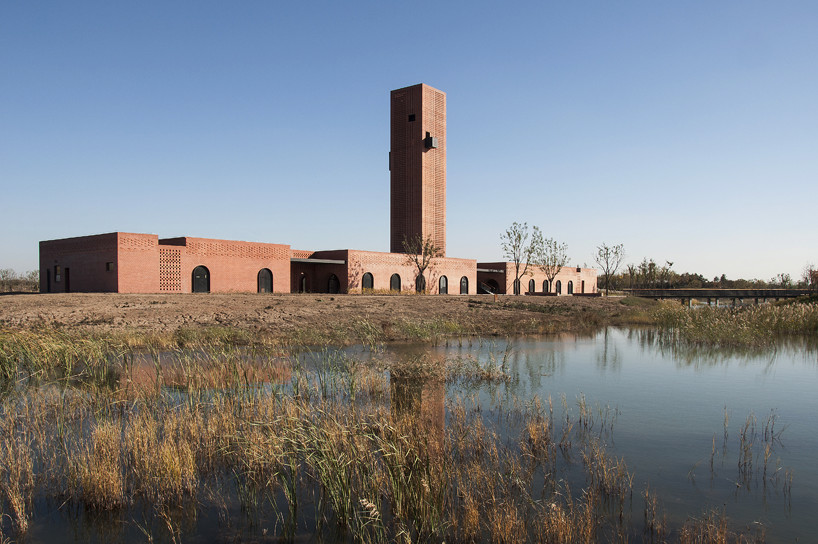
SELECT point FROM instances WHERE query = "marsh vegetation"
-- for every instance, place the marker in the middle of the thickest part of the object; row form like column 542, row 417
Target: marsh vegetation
column 227, row 433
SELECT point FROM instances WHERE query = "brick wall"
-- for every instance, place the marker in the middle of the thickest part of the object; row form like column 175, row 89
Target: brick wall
column 137, row 265
column 79, row 264
column 233, row 266
column 582, row 280
column 417, row 174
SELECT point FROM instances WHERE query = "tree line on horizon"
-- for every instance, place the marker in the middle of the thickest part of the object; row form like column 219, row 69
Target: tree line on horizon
column 648, row 274
column 12, row 282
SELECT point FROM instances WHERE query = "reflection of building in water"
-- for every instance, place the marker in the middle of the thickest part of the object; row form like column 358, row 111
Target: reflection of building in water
column 420, row 400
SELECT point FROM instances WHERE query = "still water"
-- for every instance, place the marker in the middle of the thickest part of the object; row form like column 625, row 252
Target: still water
column 686, row 422
column 680, row 414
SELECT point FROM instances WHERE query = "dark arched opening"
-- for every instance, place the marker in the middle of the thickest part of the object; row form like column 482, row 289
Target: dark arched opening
column 303, row 284
column 394, row 283
column 582, row 287
column 516, row 287
column 333, row 285
column 544, row 286
column 368, row 281
column 201, row 280
column 558, row 287
column 265, row 281
column 464, row 285
column 443, row 285
column 420, row 284
column 570, row 288
column 532, row 285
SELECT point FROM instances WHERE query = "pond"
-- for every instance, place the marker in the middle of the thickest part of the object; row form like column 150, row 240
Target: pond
column 732, row 431
column 689, row 422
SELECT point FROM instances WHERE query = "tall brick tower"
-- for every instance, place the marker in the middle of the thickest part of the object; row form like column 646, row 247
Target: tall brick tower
column 417, row 164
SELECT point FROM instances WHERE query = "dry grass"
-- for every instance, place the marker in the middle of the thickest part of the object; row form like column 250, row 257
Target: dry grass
column 331, row 445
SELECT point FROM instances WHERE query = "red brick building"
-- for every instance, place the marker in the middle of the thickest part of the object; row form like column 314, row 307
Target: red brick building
column 499, row 278
column 121, row 262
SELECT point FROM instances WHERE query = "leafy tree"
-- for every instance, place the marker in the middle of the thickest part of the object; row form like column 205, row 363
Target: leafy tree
column 609, row 258
column 550, row 258
column 420, row 252
column 521, row 246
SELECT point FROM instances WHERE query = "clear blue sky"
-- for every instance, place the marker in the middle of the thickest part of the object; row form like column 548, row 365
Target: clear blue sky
column 688, row 131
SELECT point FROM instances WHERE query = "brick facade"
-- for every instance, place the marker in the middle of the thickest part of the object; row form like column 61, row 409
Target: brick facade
column 571, row 279
column 142, row 263
column 417, row 164
column 317, row 277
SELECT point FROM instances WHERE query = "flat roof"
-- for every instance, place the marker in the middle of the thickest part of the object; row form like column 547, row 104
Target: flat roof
column 318, row 261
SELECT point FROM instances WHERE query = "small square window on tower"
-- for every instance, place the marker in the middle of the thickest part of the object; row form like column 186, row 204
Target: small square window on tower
column 411, row 117
column 109, row 266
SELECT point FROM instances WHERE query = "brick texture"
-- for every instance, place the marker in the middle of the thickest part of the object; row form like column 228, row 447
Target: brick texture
column 417, row 173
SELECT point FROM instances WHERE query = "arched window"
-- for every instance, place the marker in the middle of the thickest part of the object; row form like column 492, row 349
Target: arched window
column 333, row 285
column 420, row 284
column 544, row 286
column 394, row 283
column 582, row 288
column 265, row 281
column 368, row 281
column 443, row 286
column 570, row 288
column 201, row 280
column 464, row 285
column 532, row 286
column 558, row 287
column 516, row 287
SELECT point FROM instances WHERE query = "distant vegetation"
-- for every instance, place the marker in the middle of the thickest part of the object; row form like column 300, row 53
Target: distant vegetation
column 652, row 275
column 747, row 326
column 12, row 282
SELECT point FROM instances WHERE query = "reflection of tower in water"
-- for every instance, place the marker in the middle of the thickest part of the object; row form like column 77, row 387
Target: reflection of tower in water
column 420, row 401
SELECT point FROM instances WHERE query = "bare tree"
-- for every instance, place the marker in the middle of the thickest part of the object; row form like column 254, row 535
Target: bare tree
column 609, row 258
column 420, row 252
column 810, row 277
column 521, row 246
column 550, row 258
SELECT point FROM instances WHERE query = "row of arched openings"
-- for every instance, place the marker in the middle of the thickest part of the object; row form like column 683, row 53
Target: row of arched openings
column 532, row 287
column 368, row 282
column 200, row 280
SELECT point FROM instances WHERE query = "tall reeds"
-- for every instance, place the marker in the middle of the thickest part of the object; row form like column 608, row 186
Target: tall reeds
column 748, row 326
column 328, row 445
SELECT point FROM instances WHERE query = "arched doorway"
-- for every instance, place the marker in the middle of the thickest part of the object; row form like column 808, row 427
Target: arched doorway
column 558, row 287
column 443, row 286
column 582, row 287
column 303, row 284
column 464, row 285
column 201, row 280
column 516, row 287
column 420, row 284
column 570, row 288
column 532, row 285
column 265, row 281
column 333, row 285
column 394, row 283
column 368, row 281
column 544, row 286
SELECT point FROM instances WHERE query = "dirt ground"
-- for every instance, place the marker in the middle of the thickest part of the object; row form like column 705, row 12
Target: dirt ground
column 284, row 315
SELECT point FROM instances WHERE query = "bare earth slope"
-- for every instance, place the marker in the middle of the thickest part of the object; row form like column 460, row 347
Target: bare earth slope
column 337, row 317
